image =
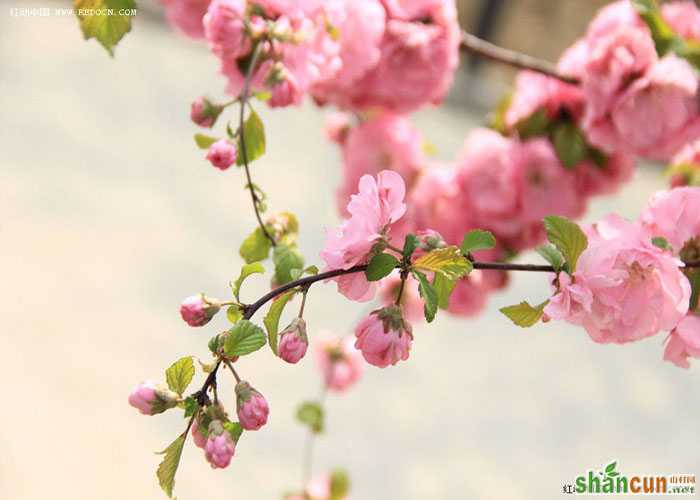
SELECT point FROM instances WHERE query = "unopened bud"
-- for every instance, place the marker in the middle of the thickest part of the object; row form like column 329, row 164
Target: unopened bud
column 198, row 310
column 293, row 341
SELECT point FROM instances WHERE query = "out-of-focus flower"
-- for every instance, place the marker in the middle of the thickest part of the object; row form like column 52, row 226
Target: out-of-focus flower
column 684, row 342
column 222, row 154
column 340, row 363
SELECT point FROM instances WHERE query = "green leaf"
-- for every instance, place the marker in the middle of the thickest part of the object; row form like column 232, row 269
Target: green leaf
column 191, row 406
column 551, row 255
column 254, row 133
column 204, row 141
column 409, row 245
column 234, row 314
column 243, row 338
column 246, row 270
column 661, row 242
column 448, row 261
column 235, row 429
column 107, row 21
column 168, row 467
column 429, row 295
column 340, row 484
column 524, row 314
column 255, row 247
column 477, row 240
column 569, row 144
column 272, row 318
column 180, row 374
column 381, row 266
column 298, row 273
column 443, row 287
column 286, row 258
column 568, row 237
column 537, row 124
column 610, row 467
column 310, row 413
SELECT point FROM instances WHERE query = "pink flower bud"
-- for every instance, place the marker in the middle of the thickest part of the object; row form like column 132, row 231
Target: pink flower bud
column 204, row 113
column 200, row 440
column 251, row 407
column 151, row 398
column 293, row 341
column 198, row 310
column 220, row 446
column 384, row 337
column 222, row 154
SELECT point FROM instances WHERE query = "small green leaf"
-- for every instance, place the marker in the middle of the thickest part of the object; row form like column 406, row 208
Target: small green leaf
column 234, row 313
column 610, row 467
column 381, row 266
column 429, row 295
column 524, row 314
column 551, row 255
column 340, row 484
column 286, row 258
column 180, row 374
column 448, row 261
column 661, row 242
column 569, row 144
column 568, row 237
column 477, row 240
column 168, row 467
column 191, row 406
column 409, row 245
column 537, row 124
column 262, row 95
column 234, row 429
column 243, row 338
column 443, row 287
column 204, row 141
column 272, row 318
column 310, row 413
column 246, row 270
column 254, row 133
column 255, row 247
column 107, row 21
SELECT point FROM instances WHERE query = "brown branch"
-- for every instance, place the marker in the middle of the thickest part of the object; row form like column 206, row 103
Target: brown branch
column 485, row 49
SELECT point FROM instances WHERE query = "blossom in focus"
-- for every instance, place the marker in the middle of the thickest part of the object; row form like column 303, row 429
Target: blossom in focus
column 220, row 446
column 384, row 337
column 251, row 407
column 684, row 342
column 340, row 363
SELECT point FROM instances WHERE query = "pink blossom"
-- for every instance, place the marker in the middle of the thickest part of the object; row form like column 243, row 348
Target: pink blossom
column 469, row 295
column 293, row 341
column 220, row 446
column 624, row 288
column 386, row 142
column 187, row 15
column 151, row 398
column 384, row 337
column 222, row 154
column 683, row 17
column 204, row 113
column 684, row 342
column 593, row 179
column 612, row 17
column 340, row 363
column 198, row 310
column 251, row 407
column 224, row 26
column 675, row 216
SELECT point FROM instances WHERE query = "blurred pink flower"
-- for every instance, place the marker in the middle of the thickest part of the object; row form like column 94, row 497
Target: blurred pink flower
column 674, row 215
column 340, row 363
column 683, row 17
column 187, row 15
column 224, row 27
column 222, row 154
column 684, row 342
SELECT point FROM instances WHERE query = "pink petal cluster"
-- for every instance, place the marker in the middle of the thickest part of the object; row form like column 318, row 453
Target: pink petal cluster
column 204, row 113
column 293, row 341
column 222, row 154
column 187, row 15
column 384, row 338
column 198, row 310
column 624, row 288
column 684, row 342
column 340, row 363
column 683, row 17
column 220, row 446
column 675, row 216
column 378, row 204
column 251, row 407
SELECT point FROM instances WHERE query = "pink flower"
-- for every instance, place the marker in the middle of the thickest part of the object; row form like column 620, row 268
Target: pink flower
column 224, row 26
column 674, row 215
column 293, row 341
column 222, row 154
column 220, row 446
column 683, row 17
column 251, row 407
column 187, row 15
column 373, row 210
column 593, row 179
column 151, row 398
column 198, row 310
column 387, row 142
column 340, row 363
column 688, row 155
column 204, row 113
column 200, row 440
column 624, row 288
column 384, row 337
column 684, row 342
column 469, row 296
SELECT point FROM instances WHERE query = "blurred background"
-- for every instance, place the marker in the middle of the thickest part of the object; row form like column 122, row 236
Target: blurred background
column 110, row 216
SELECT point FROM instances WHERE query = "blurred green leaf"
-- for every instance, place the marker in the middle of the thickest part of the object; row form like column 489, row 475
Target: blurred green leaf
column 255, row 247
column 254, row 133
column 310, row 413
column 106, row 29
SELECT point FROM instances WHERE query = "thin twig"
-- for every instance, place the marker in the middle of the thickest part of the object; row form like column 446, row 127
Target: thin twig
column 482, row 48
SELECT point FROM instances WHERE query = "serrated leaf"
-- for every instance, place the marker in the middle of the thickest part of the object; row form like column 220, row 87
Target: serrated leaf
column 286, row 258
column 443, row 287
column 272, row 318
column 524, row 314
column 310, row 413
column 380, row 266
column 255, row 247
column 477, row 240
column 428, row 294
column 448, row 261
column 551, row 255
column 107, row 21
column 568, row 237
column 234, row 314
column 254, row 134
column 409, row 245
column 569, row 144
column 179, row 374
column 204, row 141
column 234, row 429
column 246, row 270
column 243, row 338
column 168, row 467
